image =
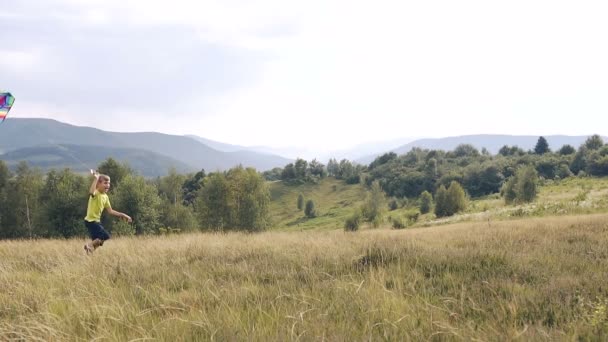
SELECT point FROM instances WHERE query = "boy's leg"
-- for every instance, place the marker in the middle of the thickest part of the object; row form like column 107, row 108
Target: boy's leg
column 96, row 243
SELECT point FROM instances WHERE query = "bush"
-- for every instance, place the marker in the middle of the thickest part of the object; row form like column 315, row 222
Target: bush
column 426, row 202
column 300, row 202
column 398, row 223
column 352, row 222
column 310, row 211
column 393, row 205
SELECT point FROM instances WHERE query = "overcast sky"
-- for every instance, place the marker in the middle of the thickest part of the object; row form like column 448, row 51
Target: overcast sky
column 315, row 73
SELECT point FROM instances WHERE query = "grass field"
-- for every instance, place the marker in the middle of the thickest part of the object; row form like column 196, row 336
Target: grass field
column 527, row 279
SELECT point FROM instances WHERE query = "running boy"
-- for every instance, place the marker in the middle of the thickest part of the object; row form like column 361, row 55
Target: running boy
column 98, row 201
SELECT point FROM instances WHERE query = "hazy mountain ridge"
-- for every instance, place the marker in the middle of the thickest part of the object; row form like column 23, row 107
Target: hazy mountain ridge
column 81, row 158
column 23, row 133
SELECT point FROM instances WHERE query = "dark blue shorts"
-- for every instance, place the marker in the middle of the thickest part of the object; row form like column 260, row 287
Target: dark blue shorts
column 96, row 231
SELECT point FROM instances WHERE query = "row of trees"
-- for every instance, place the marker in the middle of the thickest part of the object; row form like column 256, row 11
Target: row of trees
column 33, row 204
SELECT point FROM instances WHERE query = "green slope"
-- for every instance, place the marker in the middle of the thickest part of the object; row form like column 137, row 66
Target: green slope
column 334, row 201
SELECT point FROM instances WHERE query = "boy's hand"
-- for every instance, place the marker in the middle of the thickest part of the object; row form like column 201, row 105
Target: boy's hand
column 95, row 173
column 128, row 218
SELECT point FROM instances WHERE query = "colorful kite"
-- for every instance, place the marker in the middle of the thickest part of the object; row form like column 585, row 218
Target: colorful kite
column 6, row 102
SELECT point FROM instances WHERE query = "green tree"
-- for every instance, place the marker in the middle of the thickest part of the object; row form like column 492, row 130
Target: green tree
column 289, row 172
column 140, row 200
column 456, row 200
column 300, row 168
column 426, row 202
column 566, row 150
column 22, row 211
column 300, row 202
column 212, row 204
column 374, row 205
column 466, row 150
column 522, row 187
column 594, row 142
column 115, row 170
column 250, row 199
column 527, row 184
column 171, row 186
column 310, row 211
column 316, row 169
column 64, row 203
column 542, row 146
column 441, row 201
column 333, row 168
column 192, row 185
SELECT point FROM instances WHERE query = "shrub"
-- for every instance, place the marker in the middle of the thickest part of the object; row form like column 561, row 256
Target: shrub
column 310, row 211
column 352, row 222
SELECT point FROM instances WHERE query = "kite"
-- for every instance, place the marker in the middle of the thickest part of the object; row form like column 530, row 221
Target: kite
column 6, row 102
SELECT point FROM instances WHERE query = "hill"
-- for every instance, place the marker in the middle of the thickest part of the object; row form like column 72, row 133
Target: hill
column 334, row 201
column 492, row 143
column 20, row 133
column 81, row 158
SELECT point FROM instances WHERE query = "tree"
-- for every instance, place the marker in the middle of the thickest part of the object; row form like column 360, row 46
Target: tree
column 237, row 199
column 456, row 199
column 310, row 211
column 566, row 150
column 300, row 168
column 333, row 168
column 115, row 170
column 289, row 172
column 300, row 202
column 451, row 201
column 466, row 150
column 426, row 202
column 64, row 199
column 441, row 201
column 374, row 205
column 249, row 198
column 521, row 187
column 527, row 184
column 594, row 142
column 317, row 169
column 212, row 203
column 542, row 146
column 22, row 213
column 192, row 185
column 171, row 186
column 139, row 200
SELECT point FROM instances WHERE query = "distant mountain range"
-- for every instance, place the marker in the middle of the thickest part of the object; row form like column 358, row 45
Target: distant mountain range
column 492, row 142
column 52, row 144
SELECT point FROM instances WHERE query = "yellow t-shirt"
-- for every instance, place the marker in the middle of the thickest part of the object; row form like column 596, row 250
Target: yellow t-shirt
column 97, row 203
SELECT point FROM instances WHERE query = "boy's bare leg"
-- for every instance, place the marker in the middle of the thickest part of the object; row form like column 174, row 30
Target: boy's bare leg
column 88, row 248
column 96, row 243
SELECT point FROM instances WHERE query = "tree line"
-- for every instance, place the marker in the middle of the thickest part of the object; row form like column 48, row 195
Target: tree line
column 53, row 205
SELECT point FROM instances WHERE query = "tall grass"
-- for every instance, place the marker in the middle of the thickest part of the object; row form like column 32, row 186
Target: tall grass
column 532, row 279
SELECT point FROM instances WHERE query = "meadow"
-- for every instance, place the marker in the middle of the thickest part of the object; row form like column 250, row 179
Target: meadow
column 533, row 278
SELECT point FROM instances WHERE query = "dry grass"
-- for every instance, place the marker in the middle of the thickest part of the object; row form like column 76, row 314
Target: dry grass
column 533, row 279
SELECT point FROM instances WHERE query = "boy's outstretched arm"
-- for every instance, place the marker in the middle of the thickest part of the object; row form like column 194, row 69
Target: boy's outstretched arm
column 94, row 184
column 119, row 214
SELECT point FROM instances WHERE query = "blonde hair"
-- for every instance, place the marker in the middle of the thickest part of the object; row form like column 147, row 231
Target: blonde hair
column 103, row 178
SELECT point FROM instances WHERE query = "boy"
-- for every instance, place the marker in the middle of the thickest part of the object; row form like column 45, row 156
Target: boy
column 98, row 201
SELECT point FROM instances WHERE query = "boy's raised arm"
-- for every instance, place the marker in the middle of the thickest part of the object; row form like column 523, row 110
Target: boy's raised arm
column 94, row 184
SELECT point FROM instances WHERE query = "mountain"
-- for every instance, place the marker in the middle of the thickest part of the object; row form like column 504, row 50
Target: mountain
column 220, row 146
column 81, row 158
column 20, row 133
column 491, row 142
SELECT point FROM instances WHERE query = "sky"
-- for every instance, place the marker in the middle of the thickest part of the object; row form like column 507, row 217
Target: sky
column 316, row 74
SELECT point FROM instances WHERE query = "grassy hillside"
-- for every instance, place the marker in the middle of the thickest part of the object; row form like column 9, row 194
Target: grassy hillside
column 334, row 200
column 528, row 279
